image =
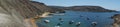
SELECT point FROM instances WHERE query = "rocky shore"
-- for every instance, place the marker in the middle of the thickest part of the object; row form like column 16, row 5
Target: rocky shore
column 116, row 18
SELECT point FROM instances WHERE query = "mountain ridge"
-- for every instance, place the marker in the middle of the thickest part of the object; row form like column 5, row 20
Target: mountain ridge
column 84, row 8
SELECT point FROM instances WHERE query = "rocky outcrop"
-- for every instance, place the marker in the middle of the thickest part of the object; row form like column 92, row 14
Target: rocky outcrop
column 116, row 18
column 85, row 8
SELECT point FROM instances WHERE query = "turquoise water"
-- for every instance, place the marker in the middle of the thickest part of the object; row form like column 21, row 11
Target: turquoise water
column 102, row 19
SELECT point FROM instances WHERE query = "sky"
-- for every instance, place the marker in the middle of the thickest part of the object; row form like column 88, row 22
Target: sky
column 108, row 4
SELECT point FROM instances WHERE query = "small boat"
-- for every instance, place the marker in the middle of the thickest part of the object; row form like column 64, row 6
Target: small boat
column 94, row 23
column 61, row 20
column 59, row 24
column 71, row 22
column 46, row 21
column 78, row 24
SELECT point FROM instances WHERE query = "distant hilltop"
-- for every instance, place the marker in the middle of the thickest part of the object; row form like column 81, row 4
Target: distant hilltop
column 84, row 8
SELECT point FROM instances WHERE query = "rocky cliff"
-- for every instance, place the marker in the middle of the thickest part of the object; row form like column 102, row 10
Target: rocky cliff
column 84, row 8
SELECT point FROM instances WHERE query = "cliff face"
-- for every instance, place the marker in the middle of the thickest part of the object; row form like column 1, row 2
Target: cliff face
column 85, row 8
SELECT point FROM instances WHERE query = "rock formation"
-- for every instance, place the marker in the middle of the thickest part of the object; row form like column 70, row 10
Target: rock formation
column 116, row 18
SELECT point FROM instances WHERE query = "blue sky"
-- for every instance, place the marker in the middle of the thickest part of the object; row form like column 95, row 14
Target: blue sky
column 109, row 4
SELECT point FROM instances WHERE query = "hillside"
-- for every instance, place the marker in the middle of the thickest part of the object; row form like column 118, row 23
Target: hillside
column 84, row 8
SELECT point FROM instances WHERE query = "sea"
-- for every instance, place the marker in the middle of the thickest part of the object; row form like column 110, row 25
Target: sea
column 102, row 19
